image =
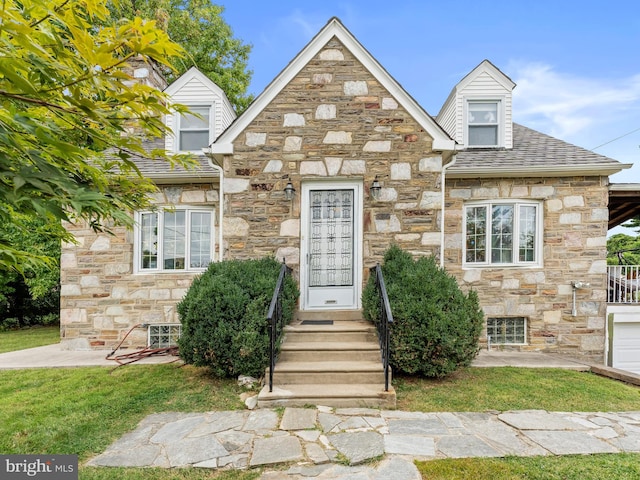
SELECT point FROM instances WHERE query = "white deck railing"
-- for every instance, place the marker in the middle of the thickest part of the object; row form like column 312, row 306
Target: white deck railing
column 624, row 283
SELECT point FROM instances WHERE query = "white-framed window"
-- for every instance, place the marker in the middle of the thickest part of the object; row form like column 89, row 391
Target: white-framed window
column 193, row 132
column 507, row 331
column 483, row 123
column 505, row 233
column 170, row 240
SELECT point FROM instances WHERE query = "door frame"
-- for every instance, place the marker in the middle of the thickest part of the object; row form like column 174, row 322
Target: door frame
column 358, row 202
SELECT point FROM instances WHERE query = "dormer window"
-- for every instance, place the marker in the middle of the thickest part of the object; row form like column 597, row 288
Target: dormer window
column 483, row 123
column 193, row 129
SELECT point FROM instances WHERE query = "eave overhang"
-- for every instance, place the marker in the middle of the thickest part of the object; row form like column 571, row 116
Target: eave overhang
column 546, row 171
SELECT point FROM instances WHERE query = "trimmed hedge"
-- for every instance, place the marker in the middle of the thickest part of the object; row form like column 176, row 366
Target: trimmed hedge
column 436, row 326
column 224, row 316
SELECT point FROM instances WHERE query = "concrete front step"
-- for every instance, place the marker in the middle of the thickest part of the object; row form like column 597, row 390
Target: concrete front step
column 330, row 395
column 338, row 332
column 318, row 373
column 335, row 351
column 333, row 363
column 335, row 315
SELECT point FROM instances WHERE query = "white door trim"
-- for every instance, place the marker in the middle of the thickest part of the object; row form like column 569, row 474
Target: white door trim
column 351, row 300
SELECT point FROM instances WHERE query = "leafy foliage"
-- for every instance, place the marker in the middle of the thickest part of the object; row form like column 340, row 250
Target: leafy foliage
column 436, row 326
column 223, row 316
column 198, row 26
column 32, row 297
column 65, row 99
column 623, row 250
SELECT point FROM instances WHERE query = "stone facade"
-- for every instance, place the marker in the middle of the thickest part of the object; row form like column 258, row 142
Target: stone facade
column 575, row 228
column 101, row 296
column 334, row 120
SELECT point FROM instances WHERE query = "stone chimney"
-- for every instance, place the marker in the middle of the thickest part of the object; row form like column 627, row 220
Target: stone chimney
column 146, row 72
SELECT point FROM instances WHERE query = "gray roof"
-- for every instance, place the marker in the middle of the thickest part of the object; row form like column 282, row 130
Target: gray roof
column 533, row 154
column 162, row 172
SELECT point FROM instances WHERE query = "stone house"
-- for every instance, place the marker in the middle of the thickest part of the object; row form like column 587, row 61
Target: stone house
column 516, row 215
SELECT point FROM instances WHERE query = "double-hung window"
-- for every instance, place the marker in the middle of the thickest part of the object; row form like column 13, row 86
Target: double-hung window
column 179, row 239
column 193, row 129
column 483, row 123
column 503, row 233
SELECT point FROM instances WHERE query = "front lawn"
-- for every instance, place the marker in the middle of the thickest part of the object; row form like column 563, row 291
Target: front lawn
column 511, row 388
column 11, row 340
column 83, row 410
column 621, row 466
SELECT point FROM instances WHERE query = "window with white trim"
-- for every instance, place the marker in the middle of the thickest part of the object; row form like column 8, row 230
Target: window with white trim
column 502, row 233
column 483, row 119
column 176, row 239
column 507, row 331
column 193, row 129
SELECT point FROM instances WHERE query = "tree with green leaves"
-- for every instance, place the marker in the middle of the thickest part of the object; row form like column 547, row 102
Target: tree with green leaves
column 623, row 250
column 66, row 99
column 198, row 26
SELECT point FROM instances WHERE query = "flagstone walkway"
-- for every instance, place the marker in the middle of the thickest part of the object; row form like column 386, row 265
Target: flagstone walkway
column 327, row 443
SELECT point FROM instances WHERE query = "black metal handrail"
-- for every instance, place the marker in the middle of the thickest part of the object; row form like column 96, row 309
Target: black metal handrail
column 276, row 321
column 385, row 319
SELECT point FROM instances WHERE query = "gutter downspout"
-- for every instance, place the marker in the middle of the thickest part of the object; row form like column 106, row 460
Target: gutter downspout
column 443, row 182
column 220, row 171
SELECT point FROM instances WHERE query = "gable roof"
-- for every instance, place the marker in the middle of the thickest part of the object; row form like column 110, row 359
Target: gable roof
column 489, row 68
column 186, row 77
column 534, row 154
column 483, row 67
column 334, row 28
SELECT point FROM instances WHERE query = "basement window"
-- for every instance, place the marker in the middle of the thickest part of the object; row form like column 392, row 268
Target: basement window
column 507, row 331
column 164, row 335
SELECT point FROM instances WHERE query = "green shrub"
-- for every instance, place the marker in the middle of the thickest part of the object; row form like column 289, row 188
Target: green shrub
column 224, row 316
column 436, row 326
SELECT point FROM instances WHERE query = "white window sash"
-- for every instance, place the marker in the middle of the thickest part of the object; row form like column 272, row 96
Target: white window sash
column 493, row 123
column 180, row 128
column 521, row 211
column 191, row 250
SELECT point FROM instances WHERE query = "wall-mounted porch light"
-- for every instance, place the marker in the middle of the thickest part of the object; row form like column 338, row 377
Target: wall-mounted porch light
column 375, row 188
column 576, row 286
column 289, row 191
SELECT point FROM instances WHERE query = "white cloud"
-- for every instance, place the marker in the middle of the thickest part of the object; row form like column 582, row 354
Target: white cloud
column 566, row 105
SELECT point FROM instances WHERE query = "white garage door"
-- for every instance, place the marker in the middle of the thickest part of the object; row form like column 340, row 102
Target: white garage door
column 626, row 346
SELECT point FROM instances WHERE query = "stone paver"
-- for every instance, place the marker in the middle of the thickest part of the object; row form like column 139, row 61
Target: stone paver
column 318, row 441
column 358, row 447
column 538, row 420
column 298, row 419
column 276, row 450
column 465, row 446
column 569, row 443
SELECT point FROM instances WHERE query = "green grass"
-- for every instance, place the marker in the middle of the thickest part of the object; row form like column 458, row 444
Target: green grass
column 11, row 340
column 93, row 473
column 576, row 467
column 83, row 410
column 510, row 388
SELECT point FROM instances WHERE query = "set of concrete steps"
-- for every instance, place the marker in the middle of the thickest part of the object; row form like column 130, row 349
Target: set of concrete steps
column 329, row 358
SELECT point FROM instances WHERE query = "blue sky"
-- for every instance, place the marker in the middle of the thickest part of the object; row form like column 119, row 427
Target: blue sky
column 576, row 63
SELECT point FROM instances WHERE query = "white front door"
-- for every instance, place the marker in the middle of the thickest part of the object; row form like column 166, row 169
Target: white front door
column 331, row 257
